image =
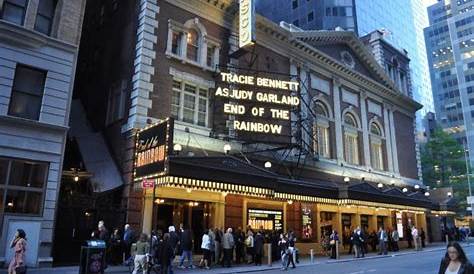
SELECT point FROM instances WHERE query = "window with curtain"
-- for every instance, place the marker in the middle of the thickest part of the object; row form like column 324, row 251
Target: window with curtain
column 321, row 143
column 376, row 154
column 190, row 103
column 45, row 16
column 351, row 143
column 176, row 42
column 192, row 50
column 14, row 11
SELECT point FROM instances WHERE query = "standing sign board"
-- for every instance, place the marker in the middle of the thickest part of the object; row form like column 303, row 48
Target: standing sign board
column 153, row 145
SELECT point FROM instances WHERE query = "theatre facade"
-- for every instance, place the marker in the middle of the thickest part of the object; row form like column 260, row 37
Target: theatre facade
column 278, row 128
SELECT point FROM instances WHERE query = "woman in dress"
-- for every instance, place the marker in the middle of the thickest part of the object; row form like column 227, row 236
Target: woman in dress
column 455, row 261
column 19, row 247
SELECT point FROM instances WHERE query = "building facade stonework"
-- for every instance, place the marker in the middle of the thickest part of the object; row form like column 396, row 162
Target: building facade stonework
column 38, row 53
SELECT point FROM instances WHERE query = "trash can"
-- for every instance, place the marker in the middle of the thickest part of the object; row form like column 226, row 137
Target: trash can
column 92, row 259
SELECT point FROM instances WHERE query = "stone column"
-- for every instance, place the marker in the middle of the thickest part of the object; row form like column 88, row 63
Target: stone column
column 147, row 213
column 356, row 220
column 219, row 215
column 388, row 139
column 365, row 129
column 394, row 142
column 373, row 223
column 338, row 224
column 337, row 120
column 30, row 15
column 317, row 219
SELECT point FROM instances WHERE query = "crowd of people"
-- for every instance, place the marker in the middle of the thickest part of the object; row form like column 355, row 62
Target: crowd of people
column 357, row 241
column 218, row 247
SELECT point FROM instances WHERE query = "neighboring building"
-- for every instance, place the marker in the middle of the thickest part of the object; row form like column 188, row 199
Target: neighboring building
column 38, row 52
column 311, row 14
column 403, row 28
column 346, row 154
column 450, row 48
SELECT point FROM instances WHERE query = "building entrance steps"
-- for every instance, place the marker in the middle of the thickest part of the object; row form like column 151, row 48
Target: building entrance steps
column 244, row 268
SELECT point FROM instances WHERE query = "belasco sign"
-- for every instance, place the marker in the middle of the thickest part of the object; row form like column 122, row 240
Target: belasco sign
column 153, row 145
column 257, row 105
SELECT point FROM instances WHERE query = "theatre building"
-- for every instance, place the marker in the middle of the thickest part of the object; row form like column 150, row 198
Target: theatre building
column 278, row 128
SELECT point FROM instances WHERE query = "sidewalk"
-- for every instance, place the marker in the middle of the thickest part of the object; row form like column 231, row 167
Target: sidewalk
column 248, row 268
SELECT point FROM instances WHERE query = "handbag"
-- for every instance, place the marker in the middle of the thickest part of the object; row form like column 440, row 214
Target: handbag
column 332, row 242
column 21, row 269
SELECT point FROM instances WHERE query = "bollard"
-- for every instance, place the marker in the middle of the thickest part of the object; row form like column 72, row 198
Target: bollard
column 312, row 255
column 269, row 255
column 337, row 250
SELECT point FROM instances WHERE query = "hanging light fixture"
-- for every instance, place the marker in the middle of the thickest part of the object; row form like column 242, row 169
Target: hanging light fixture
column 347, row 179
column 405, row 190
column 379, row 185
column 417, row 186
column 227, row 148
column 268, row 164
column 427, row 194
column 177, row 148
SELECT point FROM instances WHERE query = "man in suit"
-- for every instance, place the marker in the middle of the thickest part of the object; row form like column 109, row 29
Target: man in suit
column 383, row 239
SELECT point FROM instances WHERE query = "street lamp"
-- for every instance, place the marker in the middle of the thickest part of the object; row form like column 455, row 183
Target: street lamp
column 227, row 148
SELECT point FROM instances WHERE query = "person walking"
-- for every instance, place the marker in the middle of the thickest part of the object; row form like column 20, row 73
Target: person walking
column 382, row 238
column 166, row 253
column 422, row 237
column 218, row 245
column 116, row 248
column 395, row 239
column 141, row 249
column 333, row 241
column 250, row 247
column 455, row 261
column 128, row 239
column 283, row 245
column 291, row 249
column 206, row 250
column 239, row 240
column 258, row 247
column 416, row 239
column 174, row 242
column 373, row 240
column 186, row 244
column 228, row 246
column 18, row 264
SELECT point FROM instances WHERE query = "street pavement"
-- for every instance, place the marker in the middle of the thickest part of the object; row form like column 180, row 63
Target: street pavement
column 405, row 262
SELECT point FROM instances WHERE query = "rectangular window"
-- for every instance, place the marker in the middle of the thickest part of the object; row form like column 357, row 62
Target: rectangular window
column 295, row 4
column 322, row 139
column 471, row 101
column 310, row 16
column 45, row 16
column 296, row 23
column 376, row 156
column 116, row 103
column 14, row 11
column 210, row 56
column 189, row 103
column 22, row 190
column 202, row 108
column 351, row 149
column 176, row 43
column 27, row 92
column 176, row 100
column 328, row 11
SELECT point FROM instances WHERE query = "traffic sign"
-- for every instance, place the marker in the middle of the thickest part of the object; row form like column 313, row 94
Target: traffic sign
column 148, row 183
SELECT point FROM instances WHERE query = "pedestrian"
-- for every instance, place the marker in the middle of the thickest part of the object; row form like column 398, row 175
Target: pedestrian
column 166, row 254
column 186, row 244
column 291, row 249
column 284, row 252
column 18, row 264
column 228, row 246
column 116, row 248
column 333, row 241
column 156, row 248
column 212, row 238
column 250, row 247
column 350, row 241
column 103, row 234
column 140, row 249
column 218, row 245
column 455, row 261
column 383, row 239
column 174, row 242
column 258, row 247
column 239, row 240
column 358, row 241
column 422, row 237
column 416, row 239
column 128, row 240
column 206, row 250
column 395, row 239
column 409, row 237
column 373, row 240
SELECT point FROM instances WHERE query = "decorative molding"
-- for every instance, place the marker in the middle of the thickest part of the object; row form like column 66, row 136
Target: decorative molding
column 350, row 97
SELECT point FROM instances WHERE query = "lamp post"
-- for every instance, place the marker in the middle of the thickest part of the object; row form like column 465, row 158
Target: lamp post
column 468, row 175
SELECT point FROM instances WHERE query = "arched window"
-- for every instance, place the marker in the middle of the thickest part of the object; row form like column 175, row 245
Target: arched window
column 376, row 153
column 350, row 120
column 351, row 139
column 321, row 133
column 192, row 50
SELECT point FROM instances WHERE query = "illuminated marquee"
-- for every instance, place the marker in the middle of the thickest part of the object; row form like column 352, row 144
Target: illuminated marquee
column 152, row 148
column 249, row 105
column 246, row 23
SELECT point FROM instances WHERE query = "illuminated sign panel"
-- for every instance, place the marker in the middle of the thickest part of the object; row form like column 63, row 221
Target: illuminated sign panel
column 152, row 149
column 257, row 104
column 265, row 219
column 246, row 23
